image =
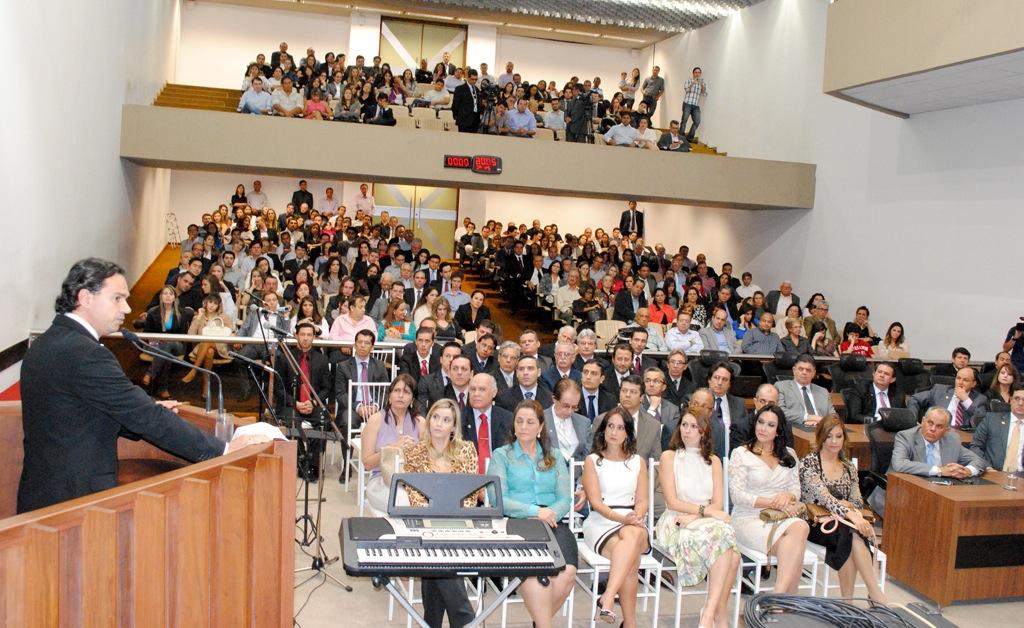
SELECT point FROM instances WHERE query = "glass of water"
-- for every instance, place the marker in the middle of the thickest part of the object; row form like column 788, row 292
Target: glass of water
column 1011, row 480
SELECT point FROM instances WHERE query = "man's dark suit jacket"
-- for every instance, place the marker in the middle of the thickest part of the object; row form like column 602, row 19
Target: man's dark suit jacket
column 665, row 142
column 676, row 394
column 291, row 267
column 624, row 223
column 299, row 197
column 489, row 365
column 410, row 298
column 605, row 401
column 430, row 389
column 499, row 379
column 499, row 420
column 551, row 376
column 862, row 403
column 772, row 300
column 624, row 305
column 511, row 397
column 387, row 117
column 739, row 427
column 289, row 383
column 409, row 362
column 75, row 402
column 348, row 371
column 466, row 118
column 271, row 233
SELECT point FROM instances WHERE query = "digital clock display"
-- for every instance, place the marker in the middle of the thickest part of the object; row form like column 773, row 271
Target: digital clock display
column 481, row 164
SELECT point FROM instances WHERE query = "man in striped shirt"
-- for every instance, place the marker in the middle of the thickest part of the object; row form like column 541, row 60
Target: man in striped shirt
column 694, row 89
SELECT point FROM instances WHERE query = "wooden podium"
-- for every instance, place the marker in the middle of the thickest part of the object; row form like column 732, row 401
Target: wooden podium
column 208, row 544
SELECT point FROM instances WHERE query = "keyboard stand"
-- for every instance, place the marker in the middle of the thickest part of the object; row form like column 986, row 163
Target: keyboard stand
column 396, row 592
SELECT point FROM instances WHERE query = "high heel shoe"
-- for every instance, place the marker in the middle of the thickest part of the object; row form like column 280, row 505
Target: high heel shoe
column 189, row 377
column 604, row 615
column 146, row 381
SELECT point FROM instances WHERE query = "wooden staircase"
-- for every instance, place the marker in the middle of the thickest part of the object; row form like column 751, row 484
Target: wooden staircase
column 193, row 97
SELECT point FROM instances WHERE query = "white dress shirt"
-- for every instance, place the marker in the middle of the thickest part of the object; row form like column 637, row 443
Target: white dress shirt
column 568, row 441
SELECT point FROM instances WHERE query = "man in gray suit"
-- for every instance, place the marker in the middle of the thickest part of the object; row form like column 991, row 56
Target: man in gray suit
column 648, row 429
column 931, row 450
column 1000, row 431
column 804, row 403
column 964, row 403
column 361, row 367
column 568, row 430
column 718, row 336
column 655, row 404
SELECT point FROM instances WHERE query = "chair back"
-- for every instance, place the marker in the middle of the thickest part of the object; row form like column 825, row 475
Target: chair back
column 911, row 376
column 882, row 443
column 354, row 423
column 575, row 518
column 942, row 379
column 387, row 358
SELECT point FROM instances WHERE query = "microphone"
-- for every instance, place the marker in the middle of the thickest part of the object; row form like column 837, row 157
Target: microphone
column 251, row 362
column 253, row 295
column 224, row 427
column 278, row 330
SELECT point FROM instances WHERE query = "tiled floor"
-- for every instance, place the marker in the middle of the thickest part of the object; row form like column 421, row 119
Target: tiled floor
column 328, row 606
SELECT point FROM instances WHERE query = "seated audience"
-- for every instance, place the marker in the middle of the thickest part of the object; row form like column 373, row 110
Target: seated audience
column 999, row 437
column 520, row 122
column 381, row 113
column 673, row 140
column 288, row 100
column 615, row 483
column 214, row 321
column 535, row 484
column 894, row 345
column 1003, row 384
column 930, row 449
column 855, row 344
column 256, row 101
column 763, row 474
column 966, row 406
column 961, row 357
column 387, row 431
column 865, row 400
column 441, row 449
column 761, row 340
column 396, row 326
column 316, row 107
column 167, row 317
column 829, row 479
column 802, row 401
column 695, row 527
column 622, row 134
column 661, row 312
column 718, row 335
column 469, row 315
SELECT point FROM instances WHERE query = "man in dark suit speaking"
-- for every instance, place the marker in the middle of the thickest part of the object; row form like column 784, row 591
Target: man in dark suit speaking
column 466, row 105
column 76, row 399
column 632, row 221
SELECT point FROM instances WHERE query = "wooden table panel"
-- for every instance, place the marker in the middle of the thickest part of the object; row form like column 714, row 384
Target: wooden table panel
column 857, row 441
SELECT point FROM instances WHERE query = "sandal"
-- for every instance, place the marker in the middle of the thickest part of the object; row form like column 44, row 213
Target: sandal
column 605, row 615
column 146, row 381
column 165, row 395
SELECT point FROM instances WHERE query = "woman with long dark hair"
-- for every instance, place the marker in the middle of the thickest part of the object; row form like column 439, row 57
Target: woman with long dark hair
column 535, row 484
column 166, row 317
column 695, row 527
column 615, row 482
column 829, row 479
column 392, row 428
column 763, row 474
column 894, row 345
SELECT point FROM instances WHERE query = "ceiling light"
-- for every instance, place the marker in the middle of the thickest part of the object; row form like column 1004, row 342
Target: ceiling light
column 484, row 22
column 546, row 29
column 333, row 5
column 581, row 33
column 373, row 10
column 617, row 38
column 429, row 16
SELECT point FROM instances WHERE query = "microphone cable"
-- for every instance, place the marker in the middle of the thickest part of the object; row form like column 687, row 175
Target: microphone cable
column 762, row 611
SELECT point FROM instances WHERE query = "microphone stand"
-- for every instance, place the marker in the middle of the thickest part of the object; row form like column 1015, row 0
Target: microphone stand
column 224, row 429
column 320, row 559
column 252, row 366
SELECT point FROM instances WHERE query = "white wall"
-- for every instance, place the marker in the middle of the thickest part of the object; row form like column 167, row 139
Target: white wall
column 542, row 59
column 218, row 41
column 481, row 44
column 66, row 190
column 915, row 218
column 364, row 36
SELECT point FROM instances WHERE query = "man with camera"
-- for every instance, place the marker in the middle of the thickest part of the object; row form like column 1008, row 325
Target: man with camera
column 1014, row 343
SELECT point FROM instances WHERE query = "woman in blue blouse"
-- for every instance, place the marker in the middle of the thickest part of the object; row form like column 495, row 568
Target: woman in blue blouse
column 535, row 484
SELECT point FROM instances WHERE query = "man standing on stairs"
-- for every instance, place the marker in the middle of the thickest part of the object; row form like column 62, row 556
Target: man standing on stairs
column 692, row 91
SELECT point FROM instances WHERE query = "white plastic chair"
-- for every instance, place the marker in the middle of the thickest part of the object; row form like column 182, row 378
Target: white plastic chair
column 387, row 358
column 649, row 566
column 677, row 589
column 377, row 390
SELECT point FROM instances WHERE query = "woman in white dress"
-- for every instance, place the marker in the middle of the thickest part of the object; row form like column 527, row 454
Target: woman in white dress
column 763, row 473
column 615, row 481
column 695, row 527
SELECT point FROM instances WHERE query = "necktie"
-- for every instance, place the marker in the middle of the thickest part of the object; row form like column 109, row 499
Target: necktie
column 423, row 368
column 632, row 221
column 528, row 395
column 636, row 365
column 808, row 404
column 483, row 367
column 718, row 412
column 364, row 377
column 958, row 417
column 657, row 413
column 1011, row 463
column 591, row 407
column 462, row 401
column 933, row 455
column 304, row 367
column 446, row 289
column 483, row 444
column 883, row 402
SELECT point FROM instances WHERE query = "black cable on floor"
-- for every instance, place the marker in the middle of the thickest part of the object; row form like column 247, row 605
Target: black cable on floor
column 763, row 608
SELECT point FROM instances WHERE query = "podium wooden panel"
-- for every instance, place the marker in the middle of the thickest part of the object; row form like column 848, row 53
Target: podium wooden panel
column 930, row 528
column 208, row 544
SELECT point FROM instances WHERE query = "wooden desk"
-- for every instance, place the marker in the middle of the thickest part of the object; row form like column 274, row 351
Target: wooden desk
column 857, row 439
column 930, row 529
